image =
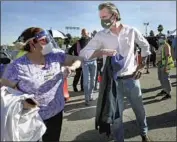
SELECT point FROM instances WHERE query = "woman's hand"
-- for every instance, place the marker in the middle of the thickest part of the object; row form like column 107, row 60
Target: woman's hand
column 73, row 62
column 67, row 70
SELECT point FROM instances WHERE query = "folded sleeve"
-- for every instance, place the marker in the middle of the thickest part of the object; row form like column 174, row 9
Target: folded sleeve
column 94, row 44
column 142, row 42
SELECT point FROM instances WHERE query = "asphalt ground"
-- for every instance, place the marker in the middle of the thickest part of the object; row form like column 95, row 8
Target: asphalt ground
column 79, row 120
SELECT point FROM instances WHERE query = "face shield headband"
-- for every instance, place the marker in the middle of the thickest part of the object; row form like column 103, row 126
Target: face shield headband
column 48, row 38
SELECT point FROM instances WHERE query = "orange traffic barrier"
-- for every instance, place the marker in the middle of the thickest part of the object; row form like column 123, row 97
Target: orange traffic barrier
column 65, row 90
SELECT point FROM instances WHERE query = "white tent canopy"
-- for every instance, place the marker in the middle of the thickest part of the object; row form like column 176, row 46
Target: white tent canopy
column 57, row 34
column 172, row 32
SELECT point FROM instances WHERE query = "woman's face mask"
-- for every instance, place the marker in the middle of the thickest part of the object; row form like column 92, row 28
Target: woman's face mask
column 107, row 23
column 46, row 49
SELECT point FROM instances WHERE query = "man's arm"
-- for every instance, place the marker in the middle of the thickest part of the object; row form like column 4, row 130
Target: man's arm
column 143, row 44
column 96, row 49
column 92, row 49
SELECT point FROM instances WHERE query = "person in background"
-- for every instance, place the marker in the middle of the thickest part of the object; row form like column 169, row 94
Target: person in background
column 5, row 59
column 99, row 72
column 118, row 40
column 165, row 63
column 75, row 50
column 151, row 58
column 99, row 65
column 174, row 43
column 20, row 54
column 89, row 70
column 39, row 72
column 153, row 55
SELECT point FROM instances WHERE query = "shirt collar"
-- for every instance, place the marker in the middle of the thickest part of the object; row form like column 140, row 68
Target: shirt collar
column 109, row 31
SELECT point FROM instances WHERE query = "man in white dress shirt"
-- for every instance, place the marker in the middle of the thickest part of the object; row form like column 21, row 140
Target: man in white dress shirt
column 117, row 38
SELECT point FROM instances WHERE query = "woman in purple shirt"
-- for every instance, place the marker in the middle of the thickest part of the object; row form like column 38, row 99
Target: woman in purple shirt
column 39, row 73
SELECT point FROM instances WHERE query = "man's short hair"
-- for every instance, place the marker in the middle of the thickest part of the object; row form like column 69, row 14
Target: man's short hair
column 111, row 7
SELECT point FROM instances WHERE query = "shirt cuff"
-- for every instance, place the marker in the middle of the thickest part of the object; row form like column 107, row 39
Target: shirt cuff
column 86, row 54
column 144, row 54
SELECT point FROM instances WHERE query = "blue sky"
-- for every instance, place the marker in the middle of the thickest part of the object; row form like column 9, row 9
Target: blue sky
column 19, row 15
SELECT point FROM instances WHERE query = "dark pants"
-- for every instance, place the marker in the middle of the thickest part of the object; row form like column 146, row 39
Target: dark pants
column 153, row 58
column 148, row 62
column 77, row 77
column 53, row 125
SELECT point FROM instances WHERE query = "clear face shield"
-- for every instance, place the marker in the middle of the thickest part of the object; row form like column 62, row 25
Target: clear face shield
column 46, row 41
column 44, row 38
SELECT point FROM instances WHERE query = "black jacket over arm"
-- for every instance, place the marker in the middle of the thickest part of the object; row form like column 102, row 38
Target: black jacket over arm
column 107, row 105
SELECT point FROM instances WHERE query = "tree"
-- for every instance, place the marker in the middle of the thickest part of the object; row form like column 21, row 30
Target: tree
column 60, row 42
column 74, row 40
column 151, row 33
column 160, row 29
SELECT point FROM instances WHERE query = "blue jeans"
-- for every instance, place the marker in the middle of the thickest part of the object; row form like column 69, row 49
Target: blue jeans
column 132, row 90
column 89, row 69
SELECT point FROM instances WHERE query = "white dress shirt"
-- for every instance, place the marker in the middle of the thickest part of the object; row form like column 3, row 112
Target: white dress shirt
column 123, row 43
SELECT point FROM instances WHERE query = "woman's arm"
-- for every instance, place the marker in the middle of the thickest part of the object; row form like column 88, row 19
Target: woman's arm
column 10, row 76
column 73, row 61
column 26, row 104
column 5, row 82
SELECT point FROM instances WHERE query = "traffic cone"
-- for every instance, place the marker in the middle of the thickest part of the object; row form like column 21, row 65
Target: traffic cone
column 139, row 59
column 65, row 90
column 99, row 78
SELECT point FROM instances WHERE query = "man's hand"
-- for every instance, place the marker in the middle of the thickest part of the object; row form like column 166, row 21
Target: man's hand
column 109, row 52
column 140, row 68
column 139, row 71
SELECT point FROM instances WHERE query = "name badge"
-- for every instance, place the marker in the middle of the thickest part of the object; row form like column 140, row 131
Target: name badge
column 48, row 76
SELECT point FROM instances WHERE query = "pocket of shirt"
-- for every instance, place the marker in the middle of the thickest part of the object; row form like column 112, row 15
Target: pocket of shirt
column 125, row 46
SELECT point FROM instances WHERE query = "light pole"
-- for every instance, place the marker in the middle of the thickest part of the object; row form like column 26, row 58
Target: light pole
column 146, row 25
